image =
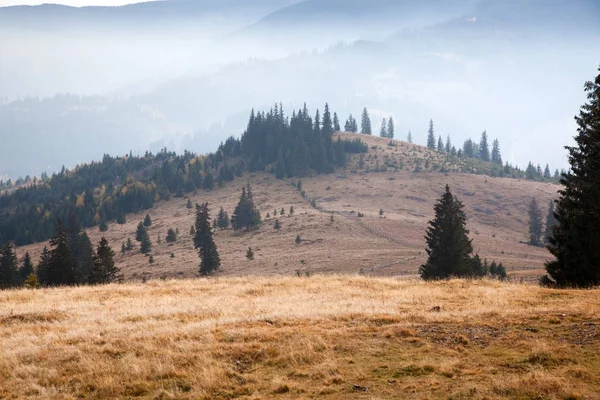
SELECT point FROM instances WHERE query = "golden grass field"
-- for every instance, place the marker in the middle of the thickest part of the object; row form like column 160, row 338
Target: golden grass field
column 331, row 337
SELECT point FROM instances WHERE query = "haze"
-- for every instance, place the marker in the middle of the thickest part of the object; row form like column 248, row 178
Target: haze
column 185, row 74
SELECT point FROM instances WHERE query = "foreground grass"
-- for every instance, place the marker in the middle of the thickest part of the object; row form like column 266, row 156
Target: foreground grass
column 326, row 337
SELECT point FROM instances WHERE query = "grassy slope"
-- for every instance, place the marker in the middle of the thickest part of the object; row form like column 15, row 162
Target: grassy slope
column 300, row 338
column 394, row 245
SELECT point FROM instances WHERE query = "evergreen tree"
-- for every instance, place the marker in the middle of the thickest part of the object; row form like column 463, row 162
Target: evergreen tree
column 84, row 257
column 123, row 248
column 250, row 253
column 171, row 236
column 336, row 123
column 484, row 148
column 223, row 219
column 146, row 244
column 390, row 128
column 189, row 204
column 440, row 144
column 551, row 222
column 147, row 221
column 535, row 223
column 409, row 138
column 26, row 269
column 62, row 267
column 204, row 243
column 448, row 245
column 348, row 126
column 140, row 232
column 431, row 136
column 576, row 238
column 103, row 227
column 104, row 270
column 277, row 225
column 298, row 239
column 547, row 174
column 448, row 147
column 43, row 266
column 496, row 156
column 280, row 165
column 383, row 132
column 365, row 125
column 291, row 210
column 8, row 267
column 246, row 215
column 129, row 244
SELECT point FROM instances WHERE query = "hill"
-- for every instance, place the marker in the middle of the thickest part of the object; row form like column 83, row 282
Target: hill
column 391, row 245
column 326, row 337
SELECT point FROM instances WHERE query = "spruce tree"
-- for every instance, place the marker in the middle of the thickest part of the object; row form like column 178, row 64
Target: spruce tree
column 171, row 236
column 43, row 265
column 431, row 136
column 575, row 242
column 104, row 270
column 448, row 148
column 496, row 156
column 547, row 174
column 147, row 221
column 204, row 243
column 140, row 232
column 535, row 223
column 8, row 267
column 223, row 219
column 84, row 257
column 246, row 215
column 26, row 269
column 189, row 204
column 62, row 267
column 250, row 253
column 383, row 132
column 336, row 123
column 365, row 124
column 440, row 144
column 409, row 137
column 146, row 244
column 448, row 246
column 390, row 128
column 484, row 148
column 551, row 222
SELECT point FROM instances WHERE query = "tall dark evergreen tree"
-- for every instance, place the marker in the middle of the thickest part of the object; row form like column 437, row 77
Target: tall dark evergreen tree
column 440, row 144
column 246, row 215
column 484, row 147
column 145, row 244
column 140, row 232
column 390, row 128
column 448, row 246
column 547, row 173
column 535, row 223
column 26, row 269
column 365, row 124
column 62, row 266
column 448, row 147
column 431, row 136
column 383, row 132
column 8, row 267
column 575, row 242
column 496, row 156
column 336, row 123
column 223, row 219
column 148, row 220
column 204, row 243
column 551, row 222
column 104, row 270
column 409, row 137
column 43, row 266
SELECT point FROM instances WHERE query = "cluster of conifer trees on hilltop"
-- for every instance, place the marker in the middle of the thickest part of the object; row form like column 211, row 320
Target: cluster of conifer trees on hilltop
column 105, row 191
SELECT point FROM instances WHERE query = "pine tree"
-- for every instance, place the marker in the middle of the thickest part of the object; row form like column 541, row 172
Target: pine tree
column 348, row 125
column 576, row 238
column 43, row 265
column 147, row 221
column 204, row 243
column 365, row 125
column 246, row 215
column 8, row 267
column 535, row 223
column 83, row 257
column 277, row 225
column 26, row 269
column 484, row 148
column 250, row 253
column 440, row 144
column 104, row 270
column 129, row 244
column 140, row 232
column 123, row 248
column 551, row 222
column 547, row 174
column 298, row 239
column 189, row 204
column 448, row 245
column 383, row 132
column 336, row 122
column 431, row 136
column 171, row 236
column 496, row 156
column 390, row 129
column 409, row 138
column 448, row 147
column 223, row 219
column 62, row 267
column 291, row 210
column 146, row 244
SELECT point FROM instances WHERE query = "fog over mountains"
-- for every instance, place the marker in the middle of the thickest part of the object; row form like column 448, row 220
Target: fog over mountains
column 184, row 74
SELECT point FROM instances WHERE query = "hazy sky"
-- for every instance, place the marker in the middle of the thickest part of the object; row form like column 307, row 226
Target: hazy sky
column 75, row 3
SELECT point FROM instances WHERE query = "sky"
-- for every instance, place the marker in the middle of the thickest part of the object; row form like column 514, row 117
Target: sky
column 74, row 3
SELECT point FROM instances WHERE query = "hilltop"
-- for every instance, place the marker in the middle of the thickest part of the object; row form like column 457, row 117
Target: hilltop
column 388, row 245
column 326, row 337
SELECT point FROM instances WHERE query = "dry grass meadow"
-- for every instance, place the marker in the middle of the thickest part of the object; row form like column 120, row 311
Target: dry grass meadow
column 392, row 245
column 331, row 337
